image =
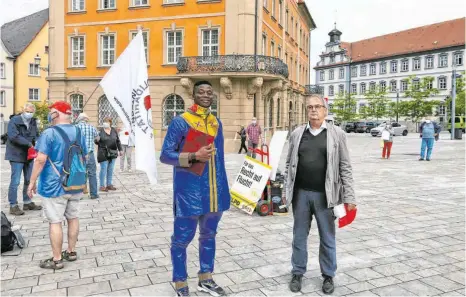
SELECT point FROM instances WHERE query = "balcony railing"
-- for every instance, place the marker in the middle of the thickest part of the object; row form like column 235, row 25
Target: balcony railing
column 314, row 89
column 232, row 63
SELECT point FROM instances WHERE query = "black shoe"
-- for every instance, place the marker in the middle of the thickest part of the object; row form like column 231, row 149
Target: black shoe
column 295, row 283
column 31, row 206
column 427, row 159
column 209, row 286
column 183, row 292
column 328, row 286
column 421, row 159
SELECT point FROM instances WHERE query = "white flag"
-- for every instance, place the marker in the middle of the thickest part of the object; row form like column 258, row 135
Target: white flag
column 126, row 86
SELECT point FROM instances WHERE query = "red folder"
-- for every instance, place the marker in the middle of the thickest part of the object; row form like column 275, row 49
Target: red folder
column 194, row 141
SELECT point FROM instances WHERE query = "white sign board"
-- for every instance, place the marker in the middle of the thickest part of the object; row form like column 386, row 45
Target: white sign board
column 275, row 150
column 249, row 184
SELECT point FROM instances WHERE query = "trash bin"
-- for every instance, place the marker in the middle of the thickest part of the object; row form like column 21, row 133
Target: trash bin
column 458, row 133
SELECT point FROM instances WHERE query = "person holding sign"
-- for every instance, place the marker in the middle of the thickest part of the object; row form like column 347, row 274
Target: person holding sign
column 318, row 177
column 194, row 145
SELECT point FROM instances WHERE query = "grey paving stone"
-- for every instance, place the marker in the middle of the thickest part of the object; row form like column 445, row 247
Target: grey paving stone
column 17, row 292
column 360, row 287
column 245, row 286
column 19, row 283
column 107, row 277
column 384, row 281
column 30, row 270
column 89, row 289
column 273, row 270
column 393, row 290
column 457, row 276
column 130, row 282
column 364, row 274
column 278, row 290
column 75, row 282
column 420, row 288
column 154, row 290
column 114, row 293
column 392, row 268
column 406, row 277
column 442, row 283
column 47, row 287
column 363, row 294
column 56, row 292
column 89, row 272
column 250, row 293
column 243, row 276
column 145, row 255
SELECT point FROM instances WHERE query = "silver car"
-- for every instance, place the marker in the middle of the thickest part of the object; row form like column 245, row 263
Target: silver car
column 397, row 128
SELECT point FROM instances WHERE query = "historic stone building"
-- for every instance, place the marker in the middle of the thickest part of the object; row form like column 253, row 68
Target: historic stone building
column 187, row 41
column 389, row 60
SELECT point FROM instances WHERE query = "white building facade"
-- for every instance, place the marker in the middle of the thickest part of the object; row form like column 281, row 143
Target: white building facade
column 387, row 62
column 6, row 84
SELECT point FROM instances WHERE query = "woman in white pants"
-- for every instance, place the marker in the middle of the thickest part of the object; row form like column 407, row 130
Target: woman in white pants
column 127, row 145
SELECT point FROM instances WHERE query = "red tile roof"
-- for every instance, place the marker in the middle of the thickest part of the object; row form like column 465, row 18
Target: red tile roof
column 420, row 39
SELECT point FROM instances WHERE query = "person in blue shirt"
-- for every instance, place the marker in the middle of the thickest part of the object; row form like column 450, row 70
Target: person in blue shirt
column 429, row 133
column 57, row 203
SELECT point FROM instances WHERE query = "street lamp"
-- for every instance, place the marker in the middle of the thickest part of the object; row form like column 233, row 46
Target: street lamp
column 397, row 101
column 37, row 60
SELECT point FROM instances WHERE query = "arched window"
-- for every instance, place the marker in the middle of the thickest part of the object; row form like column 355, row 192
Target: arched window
column 278, row 111
column 77, row 104
column 214, row 106
column 105, row 110
column 173, row 105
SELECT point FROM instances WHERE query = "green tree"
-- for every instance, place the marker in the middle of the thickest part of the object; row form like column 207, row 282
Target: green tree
column 42, row 110
column 460, row 97
column 364, row 112
column 344, row 107
column 418, row 106
column 377, row 99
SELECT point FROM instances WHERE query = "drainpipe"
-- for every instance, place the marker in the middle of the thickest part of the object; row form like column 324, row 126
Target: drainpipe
column 255, row 53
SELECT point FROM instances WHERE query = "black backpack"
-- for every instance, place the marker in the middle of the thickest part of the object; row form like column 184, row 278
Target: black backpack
column 9, row 237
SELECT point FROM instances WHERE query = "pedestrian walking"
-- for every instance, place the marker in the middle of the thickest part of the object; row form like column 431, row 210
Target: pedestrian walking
column 91, row 135
column 127, row 146
column 198, row 199
column 242, row 134
column 318, row 177
column 387, row 138
column 429, row 132
column 54, row 151
column 254, row 135
column 109, row 147
column 22, row 134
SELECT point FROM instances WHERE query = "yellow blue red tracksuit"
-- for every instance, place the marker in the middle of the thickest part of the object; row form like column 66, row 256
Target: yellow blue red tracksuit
column 197, row 199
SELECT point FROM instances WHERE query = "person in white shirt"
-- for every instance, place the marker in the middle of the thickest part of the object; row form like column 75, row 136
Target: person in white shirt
column 127, row 144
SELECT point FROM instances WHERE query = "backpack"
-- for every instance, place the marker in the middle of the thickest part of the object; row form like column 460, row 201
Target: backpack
column 9, row 237
column 74, row 173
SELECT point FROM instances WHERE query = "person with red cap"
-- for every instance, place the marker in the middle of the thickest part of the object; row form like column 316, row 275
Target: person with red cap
column 57, row 202
column 318, row 177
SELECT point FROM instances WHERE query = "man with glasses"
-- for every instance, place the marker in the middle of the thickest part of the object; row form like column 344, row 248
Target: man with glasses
column 318, row 177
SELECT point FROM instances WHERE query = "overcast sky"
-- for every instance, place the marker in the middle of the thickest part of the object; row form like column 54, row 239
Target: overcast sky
column 357, row 19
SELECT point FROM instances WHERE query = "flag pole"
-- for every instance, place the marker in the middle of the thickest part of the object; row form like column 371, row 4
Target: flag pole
column 91, row 95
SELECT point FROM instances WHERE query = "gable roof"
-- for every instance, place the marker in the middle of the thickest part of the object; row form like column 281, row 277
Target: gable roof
column 18, row 34
column 435, row 36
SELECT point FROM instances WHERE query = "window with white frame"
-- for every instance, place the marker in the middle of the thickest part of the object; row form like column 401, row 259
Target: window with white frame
column 404, row 65
column 417, row 64
column 354, row 89
column 77, row 104
column 2, row 70
column 264, row 44
column 34, row 69
column 174, row 46
column 34, row 94
column 286, row 20
column 279, row 53
column 273, row 7
column 342, row 73
column 363, row 70
column 280, row 11
column 173, row 1
column 393, row 86
column 362, row 88
column 442, row 83
column 145, row 38
column 272, row 48
column 77, row 51
column 331, row 74
column 383, row 67
column 322, row 75
column 383, row 86
column 140, row 2
column 292, row 27
column 458, row 59
column 372, row 86
column 2, row 98
column 443, row 60
column 210, row 42
column 77, row 5
column 429, row 62
column 173, row 105
column 107, row 4
column 107, row 49
column 393, row 66
column 331, row 90
column 416, row 84
column 265, row 3
column 354, row 71
column 404, row 85
column 441, row 109
column 372, row 70
column 341, row 89
column 429, row 84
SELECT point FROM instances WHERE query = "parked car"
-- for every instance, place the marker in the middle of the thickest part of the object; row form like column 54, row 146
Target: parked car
column 459, row 123
column 397, row 128
column 365, row 127
column 350, row 127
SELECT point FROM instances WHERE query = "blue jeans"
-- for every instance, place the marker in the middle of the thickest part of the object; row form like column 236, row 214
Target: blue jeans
column 305, row 205
column 92, row 173
column 429, row 143
column 16, row 170
column 106, row 173
column 183, row 233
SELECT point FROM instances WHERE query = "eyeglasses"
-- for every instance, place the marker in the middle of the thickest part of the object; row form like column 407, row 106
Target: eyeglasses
column 315, row 107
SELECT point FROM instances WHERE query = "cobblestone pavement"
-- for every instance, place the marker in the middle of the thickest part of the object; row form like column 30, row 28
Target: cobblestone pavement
column 408, row 238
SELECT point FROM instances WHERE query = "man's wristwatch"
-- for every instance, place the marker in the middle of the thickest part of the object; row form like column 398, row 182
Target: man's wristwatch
column 192, row 158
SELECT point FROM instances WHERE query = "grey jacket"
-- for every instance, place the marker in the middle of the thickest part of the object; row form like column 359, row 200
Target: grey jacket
column 339, row 179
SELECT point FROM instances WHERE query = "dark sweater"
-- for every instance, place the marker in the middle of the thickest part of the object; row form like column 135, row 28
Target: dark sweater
column 312, row 162
column 111, row 142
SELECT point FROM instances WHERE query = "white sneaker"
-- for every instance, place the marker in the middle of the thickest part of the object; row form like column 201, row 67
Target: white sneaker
column 129, row 170
column 122, row 170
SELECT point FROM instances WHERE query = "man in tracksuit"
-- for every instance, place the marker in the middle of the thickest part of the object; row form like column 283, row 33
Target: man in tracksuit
column 198, row 200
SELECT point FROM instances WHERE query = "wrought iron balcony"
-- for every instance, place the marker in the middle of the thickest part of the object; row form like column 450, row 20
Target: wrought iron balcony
column 314, row 89
column 233, row 63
